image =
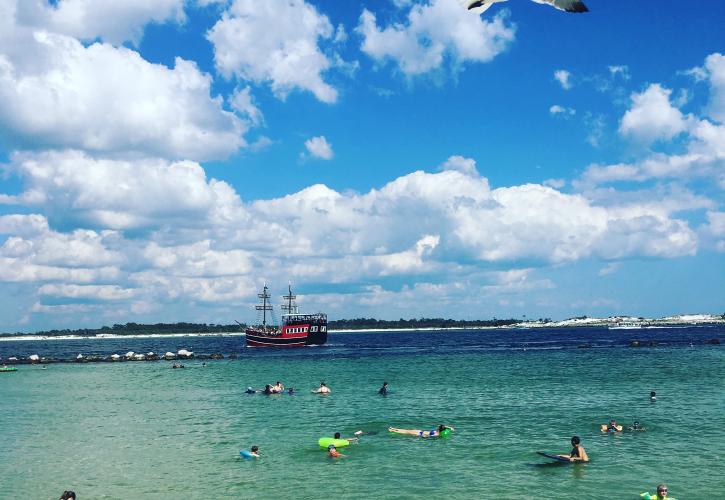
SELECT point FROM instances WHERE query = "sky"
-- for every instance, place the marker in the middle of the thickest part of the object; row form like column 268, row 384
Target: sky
column 161, row 160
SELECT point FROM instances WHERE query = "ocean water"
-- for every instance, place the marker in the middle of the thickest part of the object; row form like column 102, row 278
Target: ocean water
column 144, row 430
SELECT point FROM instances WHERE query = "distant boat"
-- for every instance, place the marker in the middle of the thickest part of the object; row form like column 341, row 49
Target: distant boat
column 297, row 330
column 625, row 325
column 8, row 369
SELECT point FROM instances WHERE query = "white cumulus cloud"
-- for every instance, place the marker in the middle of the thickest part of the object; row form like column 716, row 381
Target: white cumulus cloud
column 275, row 41
column 59, row 93
column 111, row 20
column 434, row 31
column 652, row 116
column 318, row 147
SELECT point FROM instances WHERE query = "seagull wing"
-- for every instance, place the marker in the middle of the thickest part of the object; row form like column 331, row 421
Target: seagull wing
column 477, row 6
column 575, row 6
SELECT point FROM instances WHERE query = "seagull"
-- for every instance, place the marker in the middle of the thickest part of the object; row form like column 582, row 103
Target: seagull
column 575, row 6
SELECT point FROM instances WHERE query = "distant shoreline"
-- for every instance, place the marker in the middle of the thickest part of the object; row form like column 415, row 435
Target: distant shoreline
column 575, row 323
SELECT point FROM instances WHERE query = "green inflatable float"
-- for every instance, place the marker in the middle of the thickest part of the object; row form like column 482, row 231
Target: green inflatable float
column 337, row 443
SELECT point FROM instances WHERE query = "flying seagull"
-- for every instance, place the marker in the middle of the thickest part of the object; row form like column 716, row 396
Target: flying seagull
column 574, row 6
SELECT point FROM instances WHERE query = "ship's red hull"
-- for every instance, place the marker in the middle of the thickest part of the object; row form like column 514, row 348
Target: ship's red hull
column 293, row 335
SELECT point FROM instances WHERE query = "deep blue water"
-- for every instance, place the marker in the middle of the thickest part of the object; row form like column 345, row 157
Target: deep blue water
column 380, row 343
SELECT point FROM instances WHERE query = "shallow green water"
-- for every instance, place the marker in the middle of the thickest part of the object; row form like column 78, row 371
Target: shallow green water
column 143, row 430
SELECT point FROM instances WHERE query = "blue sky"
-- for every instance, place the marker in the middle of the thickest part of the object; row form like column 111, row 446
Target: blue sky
column 162, row 160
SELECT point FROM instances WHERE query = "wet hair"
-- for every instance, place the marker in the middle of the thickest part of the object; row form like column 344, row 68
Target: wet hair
column 661, row 486
column 331, row 447
column 322, row 383
column 441, row 427
column 255, row 449
column 68, row 495
column 278, row 382
column 652, row 394
column 385, row 383
column 337, row 435
column 575, row 440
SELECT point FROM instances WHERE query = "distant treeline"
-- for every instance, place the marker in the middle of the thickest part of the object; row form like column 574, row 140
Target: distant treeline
column 137, row 329
column 340, row 324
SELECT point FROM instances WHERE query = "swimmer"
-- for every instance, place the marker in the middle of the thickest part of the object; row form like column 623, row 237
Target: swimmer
column 250, row 391
column 653, row 396
column 291, row 391
column 254, row 450
column 68, row 495
column 435, row 432
column 351, row 440
column 636, row 426
column 611, row 427
column 268, row 390
column 323, row 389
column 278, row 387
column 577, row 454
column 660, row 495
column 333, row 453
column 383, row 391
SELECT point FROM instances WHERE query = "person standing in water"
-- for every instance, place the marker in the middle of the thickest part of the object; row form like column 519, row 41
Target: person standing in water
column 577, row 454
column 323, row 389
column 383, row 391
column 653, row 396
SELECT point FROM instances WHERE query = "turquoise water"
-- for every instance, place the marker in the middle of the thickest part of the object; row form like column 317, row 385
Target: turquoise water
column 143, row 430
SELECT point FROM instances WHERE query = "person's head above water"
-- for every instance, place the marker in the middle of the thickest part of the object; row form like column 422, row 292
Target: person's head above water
column 255, row 449
column 575, row 440
column 337, row 435
column 652, row 394
column 612, row 422
column 322, row 384
column 662, row 490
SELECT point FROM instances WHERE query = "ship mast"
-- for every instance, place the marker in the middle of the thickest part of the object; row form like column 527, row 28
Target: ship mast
column 264, row 307
column 290, row 306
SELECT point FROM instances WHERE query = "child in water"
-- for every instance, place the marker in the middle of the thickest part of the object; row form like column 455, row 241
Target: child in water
column 333, row 453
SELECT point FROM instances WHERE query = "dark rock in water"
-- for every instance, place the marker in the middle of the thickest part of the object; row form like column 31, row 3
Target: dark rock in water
column 584, row 346
column 713, row 342
column 216, row 355
column 201, row 356
column 152, row 356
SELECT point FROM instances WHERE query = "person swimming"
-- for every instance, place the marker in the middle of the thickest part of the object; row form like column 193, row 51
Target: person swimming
column 636, row 426
column 577, row 453
column 660, row 495
column 653, row 396
column 254, row 450
column 611, row 427
column 250, row 391
column 383, row 391
column 435, row 432
column 268, row 390
column 333, row 453
column 278, row 387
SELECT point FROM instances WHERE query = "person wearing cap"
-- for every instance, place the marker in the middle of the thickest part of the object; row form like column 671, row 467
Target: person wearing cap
column 611, row 427
column 250, row 390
